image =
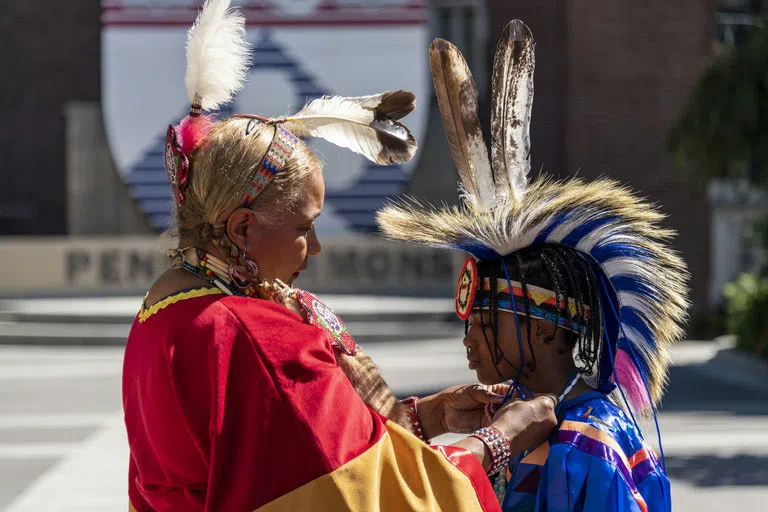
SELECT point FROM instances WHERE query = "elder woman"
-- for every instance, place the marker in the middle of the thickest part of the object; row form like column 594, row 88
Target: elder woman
column 241, row 392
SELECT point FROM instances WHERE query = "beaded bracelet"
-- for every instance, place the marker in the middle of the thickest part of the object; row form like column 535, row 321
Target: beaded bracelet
column 498, row 445
column 413, row 416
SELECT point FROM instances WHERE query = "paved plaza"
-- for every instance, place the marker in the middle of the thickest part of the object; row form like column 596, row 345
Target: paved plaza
column 62, row 445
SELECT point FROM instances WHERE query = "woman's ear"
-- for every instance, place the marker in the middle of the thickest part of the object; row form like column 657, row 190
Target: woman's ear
column 238, row 224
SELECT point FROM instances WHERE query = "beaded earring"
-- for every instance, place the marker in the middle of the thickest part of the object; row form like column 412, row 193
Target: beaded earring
column 237, row 278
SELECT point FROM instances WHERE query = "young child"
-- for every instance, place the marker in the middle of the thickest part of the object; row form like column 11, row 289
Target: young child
column 569, row 290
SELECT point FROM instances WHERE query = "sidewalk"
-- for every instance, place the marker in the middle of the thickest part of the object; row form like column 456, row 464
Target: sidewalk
column 728, row 363
column 107, row 320
column 123, row 309
column 716, row 447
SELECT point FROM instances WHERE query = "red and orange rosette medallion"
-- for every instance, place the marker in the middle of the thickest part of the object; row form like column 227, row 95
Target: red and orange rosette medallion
column 466, row 288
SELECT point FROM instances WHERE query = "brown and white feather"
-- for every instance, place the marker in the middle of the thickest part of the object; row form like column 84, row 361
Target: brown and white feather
column 367, row 125
column 458, row 100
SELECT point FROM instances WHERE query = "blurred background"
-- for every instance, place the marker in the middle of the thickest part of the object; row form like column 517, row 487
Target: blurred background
column 668, row 97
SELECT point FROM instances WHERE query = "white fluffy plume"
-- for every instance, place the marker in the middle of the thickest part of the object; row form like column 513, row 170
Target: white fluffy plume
column 217, row 55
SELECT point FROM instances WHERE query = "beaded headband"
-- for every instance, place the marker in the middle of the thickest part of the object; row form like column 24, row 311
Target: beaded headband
column 538, row 303
column 277, row 155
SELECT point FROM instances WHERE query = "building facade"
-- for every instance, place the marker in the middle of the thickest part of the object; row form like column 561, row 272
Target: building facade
column 50, row 57
column 610, row 79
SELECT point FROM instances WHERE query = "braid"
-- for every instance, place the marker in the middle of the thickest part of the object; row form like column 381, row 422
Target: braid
column 570, row 282
column 586, row 343
column 500, row 353
column 593, row 328
column 210, row 235
column 527, row 311
column 574, row 338
column 558, row 263
column 493, row 348
column 554, row 275
column 571, row 278
column 493, row 318
column 207, row 233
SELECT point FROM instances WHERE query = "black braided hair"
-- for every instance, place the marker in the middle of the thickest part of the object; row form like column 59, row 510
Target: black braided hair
column 493, row 323
column 571, row 277
column 575, row 292
column 521, row 272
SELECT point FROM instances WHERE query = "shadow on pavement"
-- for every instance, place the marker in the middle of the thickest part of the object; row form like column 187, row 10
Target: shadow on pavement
column 692, row 388
column 717, row 471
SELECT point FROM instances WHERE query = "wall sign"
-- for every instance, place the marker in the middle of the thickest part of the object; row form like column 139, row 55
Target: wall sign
column 303, row 49
column 129, row 265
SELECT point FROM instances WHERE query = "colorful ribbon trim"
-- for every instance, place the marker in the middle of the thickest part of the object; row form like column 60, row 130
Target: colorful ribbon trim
column 595, row 442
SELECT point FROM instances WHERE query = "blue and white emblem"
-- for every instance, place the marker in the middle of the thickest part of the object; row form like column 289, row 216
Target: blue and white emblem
column 301, row 50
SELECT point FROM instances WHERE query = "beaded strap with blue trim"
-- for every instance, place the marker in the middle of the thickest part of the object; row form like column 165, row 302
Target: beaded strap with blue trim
column 280, row 150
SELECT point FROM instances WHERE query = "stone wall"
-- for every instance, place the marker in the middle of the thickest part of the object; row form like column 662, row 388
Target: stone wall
column 50, row 56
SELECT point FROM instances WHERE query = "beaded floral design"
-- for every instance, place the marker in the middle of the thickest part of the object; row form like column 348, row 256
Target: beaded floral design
column 320, row 315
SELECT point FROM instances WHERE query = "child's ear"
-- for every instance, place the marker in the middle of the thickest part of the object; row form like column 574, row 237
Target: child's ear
column 544, row 331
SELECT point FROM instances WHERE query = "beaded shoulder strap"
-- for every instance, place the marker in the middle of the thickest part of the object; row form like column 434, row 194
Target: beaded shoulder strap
column 320, row 315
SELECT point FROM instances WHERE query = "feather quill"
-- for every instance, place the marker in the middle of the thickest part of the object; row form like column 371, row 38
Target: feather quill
column 457, row 97
column 512, row 82
column 217, row 55
column 367, row 125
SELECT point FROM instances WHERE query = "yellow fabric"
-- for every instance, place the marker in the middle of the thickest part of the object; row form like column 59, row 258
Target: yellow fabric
column 398, row 473
column 130, row 507
column 171, row 299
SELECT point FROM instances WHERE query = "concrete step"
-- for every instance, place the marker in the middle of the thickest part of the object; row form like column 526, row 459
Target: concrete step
column 122, row 310
column 69, row 334
column 107, row 320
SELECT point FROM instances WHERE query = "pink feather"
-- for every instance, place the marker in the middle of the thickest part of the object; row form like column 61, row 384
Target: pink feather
column 631, row 382
column 192, row 131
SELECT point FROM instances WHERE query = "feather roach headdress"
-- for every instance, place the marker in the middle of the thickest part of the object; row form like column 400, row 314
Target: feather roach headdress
column 217, row 66
column 639, row 279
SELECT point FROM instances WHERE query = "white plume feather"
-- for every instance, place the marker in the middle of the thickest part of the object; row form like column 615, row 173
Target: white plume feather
column 366, row 125
column 217, row 55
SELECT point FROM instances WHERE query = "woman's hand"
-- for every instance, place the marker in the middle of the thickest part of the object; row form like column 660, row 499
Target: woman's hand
column 527, row 423
column 459, row 409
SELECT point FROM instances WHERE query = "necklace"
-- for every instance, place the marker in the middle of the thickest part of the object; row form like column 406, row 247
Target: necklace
column 213, row 270
column 208, row 275
column 229, row 280
column 568, row 388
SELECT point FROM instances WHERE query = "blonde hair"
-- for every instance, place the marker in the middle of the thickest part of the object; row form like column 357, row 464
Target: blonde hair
column 221, row 170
